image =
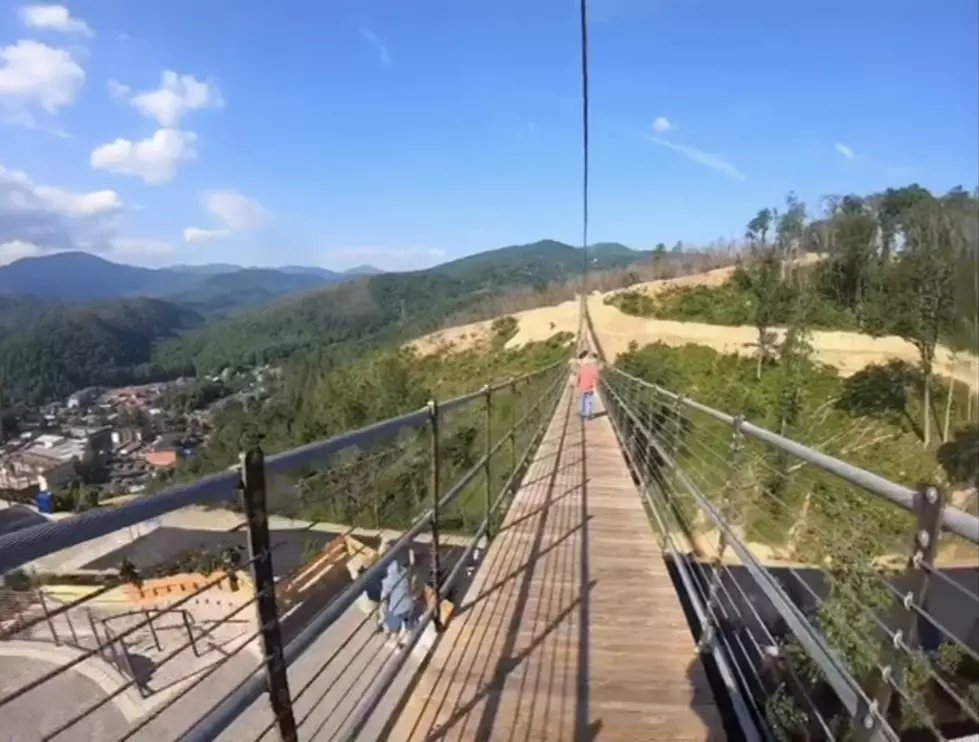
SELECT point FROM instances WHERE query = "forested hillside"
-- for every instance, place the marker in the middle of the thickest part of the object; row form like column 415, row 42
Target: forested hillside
column 343, row 321
column 17, row 310
column 387, row 485
column 223, row 293
column 337, row 322
column 78, row 277
column 68, row 347
column 538, row 263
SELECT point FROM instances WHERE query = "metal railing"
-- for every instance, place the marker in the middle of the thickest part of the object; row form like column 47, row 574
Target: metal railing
column 457, row 461
column 791, row 561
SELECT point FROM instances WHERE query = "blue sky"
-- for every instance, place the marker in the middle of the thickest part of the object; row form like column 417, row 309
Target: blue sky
column 341, row 132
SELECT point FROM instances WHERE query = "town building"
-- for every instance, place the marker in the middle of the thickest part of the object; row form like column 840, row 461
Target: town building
column 48, row 462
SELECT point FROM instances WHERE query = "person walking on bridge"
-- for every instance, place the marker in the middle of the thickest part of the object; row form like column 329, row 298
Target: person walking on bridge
column 587, row 382
column 397, row 604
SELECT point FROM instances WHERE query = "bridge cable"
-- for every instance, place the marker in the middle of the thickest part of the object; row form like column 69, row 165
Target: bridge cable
column 584, row 134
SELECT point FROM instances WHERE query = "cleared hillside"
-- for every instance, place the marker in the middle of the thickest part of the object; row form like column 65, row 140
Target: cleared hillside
column 849, row 352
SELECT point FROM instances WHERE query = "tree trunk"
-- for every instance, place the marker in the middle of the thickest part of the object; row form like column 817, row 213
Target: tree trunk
column 975, row 375
column 800, row 525
column 761, row 353
column 927, row 400
column 948, row 407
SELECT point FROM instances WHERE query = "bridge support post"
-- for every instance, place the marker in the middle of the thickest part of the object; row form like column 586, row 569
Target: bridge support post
column 928, row 505
column 260, row 557
column 434, row 486
column 488, row 493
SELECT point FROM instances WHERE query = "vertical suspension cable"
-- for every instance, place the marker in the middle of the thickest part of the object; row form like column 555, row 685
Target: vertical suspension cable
column 584, row 134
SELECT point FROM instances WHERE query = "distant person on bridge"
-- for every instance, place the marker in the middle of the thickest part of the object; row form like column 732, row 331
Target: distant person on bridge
column 397, row 604
column 587, row 381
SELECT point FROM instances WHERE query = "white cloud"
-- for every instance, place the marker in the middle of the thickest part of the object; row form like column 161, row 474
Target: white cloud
column 844, row 150
column 235, row 210
column 32, row 73
column 29, row 121
column 176, row 95
column 379, row 46
column 53, row 18
column 79, row 204
column 52, row 218
column 661, row 124
column 117, row 89
column 20, row 192
column 714, row 162
column 17, row 249
column 196, row 234
column 155, row 160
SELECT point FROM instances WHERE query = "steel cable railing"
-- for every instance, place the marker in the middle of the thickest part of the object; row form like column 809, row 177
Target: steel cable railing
column 858, row 651
column 479, row 443
column 228, row 714
column 420, row 454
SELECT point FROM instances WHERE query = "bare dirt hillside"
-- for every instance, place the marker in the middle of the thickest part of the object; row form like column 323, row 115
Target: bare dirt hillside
column 716, row 277
column 535, row 324
column 847, row 351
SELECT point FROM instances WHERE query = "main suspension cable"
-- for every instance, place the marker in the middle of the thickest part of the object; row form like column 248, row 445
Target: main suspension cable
column 584, row 132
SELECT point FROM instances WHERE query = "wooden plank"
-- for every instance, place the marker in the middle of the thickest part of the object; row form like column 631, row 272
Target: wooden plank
column 572, row 629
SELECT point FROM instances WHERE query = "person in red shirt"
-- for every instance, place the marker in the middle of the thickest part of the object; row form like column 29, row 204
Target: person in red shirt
column 587, row 382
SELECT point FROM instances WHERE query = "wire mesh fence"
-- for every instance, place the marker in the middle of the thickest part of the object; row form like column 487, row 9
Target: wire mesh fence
column 843, row 605
column 299, row 616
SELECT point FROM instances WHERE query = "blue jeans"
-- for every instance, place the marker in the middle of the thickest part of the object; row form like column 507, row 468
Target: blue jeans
column 585, row 403
column 394, row 622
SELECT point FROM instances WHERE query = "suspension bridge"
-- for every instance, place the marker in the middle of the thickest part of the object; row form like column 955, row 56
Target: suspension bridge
column 610, row 588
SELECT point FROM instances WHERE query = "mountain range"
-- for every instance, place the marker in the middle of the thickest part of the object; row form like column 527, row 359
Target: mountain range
column 74, row 320
column 79, row 276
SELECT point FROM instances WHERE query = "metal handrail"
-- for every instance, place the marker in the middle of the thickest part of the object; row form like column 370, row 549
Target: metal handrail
column 224, row 713
column 722, row 617
column 954, row 520
column 32, row 543
column 847, row 689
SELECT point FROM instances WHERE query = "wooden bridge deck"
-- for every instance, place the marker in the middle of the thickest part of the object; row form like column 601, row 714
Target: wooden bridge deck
column 572, row 629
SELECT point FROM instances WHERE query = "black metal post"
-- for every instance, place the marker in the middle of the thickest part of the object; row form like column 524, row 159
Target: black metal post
column 436, row 578
column 260, row 557
column 71, row 627
column 488, row 494
column 190, row 634
column 928, row 505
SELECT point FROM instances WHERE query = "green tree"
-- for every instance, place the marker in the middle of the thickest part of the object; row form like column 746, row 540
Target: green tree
column 759, row 227
column 853, row 257
column 790, row 231
column 923, row 289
